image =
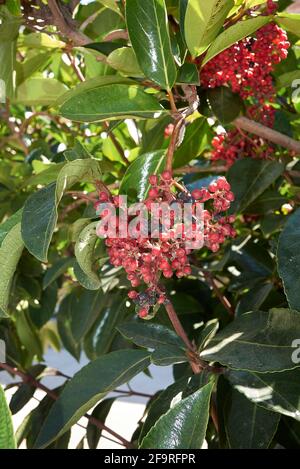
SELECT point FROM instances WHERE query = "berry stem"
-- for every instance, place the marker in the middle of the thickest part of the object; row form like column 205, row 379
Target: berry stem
column 196, row 367
column 173, row 142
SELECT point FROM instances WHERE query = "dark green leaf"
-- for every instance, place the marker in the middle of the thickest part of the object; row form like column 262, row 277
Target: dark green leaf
column 137, row 175
column 225, row 104
column 289, row 259
column 184, row 426
column 188, row 74
column 57, row 269
column 258, row 341
column 249, row 178
column 147, row 24
column 196, row 140
column 149, row 334
column 84, row 252
column 100, row 413
column 168, row 355
column 88, row 387
column 7, row 440
column 248, row 426
column 278, row 392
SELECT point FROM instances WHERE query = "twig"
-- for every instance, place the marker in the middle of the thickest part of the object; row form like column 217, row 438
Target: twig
column 75, row 68
column 27, row 378
column 77, row 37
column 193, row 358
column 225, row 302
column 116, row 144
column 198, row 169
column 268, row 134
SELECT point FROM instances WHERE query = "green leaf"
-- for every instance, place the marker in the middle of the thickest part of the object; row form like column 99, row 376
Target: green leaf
column 10, row 253
column 47, row 176
column 249, row 178
column 147, row 24
column 278, row 392
column 124, row 60
column 203, row 21
column 168, row 354
column 149, row 334
column 85, row 311
column 21, row 397
column 100, row 413
column 257, row 341
column 64, row 325
column 9, row 28
column 30, row 66
column 92, row 103
column 7, row 439
column 84, row 252
column 234, row 34
column 288, row 258
column 9, row 224
column 197, row 139
column 88, row 387
column 137, row 175
column 39, row 92
column 188, row 74
column 289, row 21
column 286, row 79
column 184, row 426
column 162, row 404
column 40, row 209
column 102, row 334
column 248, row 426
column 57, row 269
column 42, row 41
column 225, row 104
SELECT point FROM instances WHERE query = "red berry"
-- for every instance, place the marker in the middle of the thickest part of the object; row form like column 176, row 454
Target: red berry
column 166, row 175
column 153, row 180
column 143, row 312
column 103, row 196
column 153, row 192
column 132, row 294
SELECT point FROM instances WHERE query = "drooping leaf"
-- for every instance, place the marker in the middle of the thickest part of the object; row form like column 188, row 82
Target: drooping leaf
column 7, row 440
column 100, row 412
column 225, row 104
column 203, row 21
column 10, row 253
column 249, row 178
column 248, row 426
column 137, row 175
column 234, row 34
column 147, row 24
column 40, row 210
column 184, row 426
column 257, row 341
column 88, row 387
column 289, row 259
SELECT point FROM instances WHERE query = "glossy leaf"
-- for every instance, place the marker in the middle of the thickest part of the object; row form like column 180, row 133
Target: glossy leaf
column 196, row 140
column 110, row 102
column 168, row 355
column 278, row 392
column 7, row 440
column 124, row 60
column 137, row 175
column 203, row 21
column 225, row 104
column 88, row 387
column 147, row 24
column 249, row 178
column 40, row 210
column 248, row 426
column 289, row 259
column 234, row 34
column 184, row 426
column 10, row 253
column 149, row 334
column 84, row 252
column 257, row 341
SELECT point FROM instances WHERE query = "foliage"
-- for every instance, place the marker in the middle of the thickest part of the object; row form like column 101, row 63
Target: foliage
column 95, row 99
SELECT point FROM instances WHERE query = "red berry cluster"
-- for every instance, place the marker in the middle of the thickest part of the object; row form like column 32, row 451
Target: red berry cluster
column 247, row 67
column 146, row 258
